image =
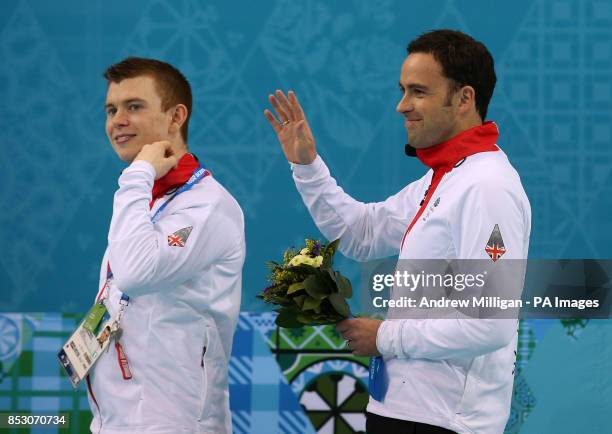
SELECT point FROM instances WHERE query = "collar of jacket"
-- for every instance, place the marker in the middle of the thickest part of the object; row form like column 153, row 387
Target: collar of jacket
column 175, row 177
column 445, row 155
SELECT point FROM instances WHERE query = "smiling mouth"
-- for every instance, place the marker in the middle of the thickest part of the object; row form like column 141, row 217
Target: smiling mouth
column 122, row 138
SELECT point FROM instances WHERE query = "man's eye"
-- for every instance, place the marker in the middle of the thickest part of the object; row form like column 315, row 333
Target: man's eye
column 111, row 111
column 133, row 107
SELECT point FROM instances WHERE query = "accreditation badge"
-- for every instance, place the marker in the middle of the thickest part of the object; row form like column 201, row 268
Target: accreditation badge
column 87, row 343
column 376, row 380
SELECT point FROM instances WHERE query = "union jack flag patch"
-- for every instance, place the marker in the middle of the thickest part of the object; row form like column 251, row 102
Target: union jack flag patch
column 179, row 238
column 495, row 246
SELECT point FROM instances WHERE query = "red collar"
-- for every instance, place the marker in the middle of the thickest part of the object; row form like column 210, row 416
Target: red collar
column 175, row 177
column 445, row 155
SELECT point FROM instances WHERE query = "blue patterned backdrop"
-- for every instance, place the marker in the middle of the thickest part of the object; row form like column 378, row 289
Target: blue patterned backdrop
column 552, row 104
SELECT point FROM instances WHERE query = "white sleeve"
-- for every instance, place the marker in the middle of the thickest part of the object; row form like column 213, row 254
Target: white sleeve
column 367, row 231
column 143, row 258
column 444, row 338
column 483, row 207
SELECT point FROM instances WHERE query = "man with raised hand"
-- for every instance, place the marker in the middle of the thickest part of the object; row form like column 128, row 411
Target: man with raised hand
column 172, row 273
column 443, row 375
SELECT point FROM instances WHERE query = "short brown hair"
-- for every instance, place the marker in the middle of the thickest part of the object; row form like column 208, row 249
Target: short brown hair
column 172, row 86
column 464, row 60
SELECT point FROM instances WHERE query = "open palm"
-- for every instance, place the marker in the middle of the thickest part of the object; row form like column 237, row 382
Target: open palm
column 291, row 128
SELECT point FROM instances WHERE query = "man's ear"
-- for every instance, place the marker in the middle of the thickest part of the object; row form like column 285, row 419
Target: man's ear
column 179, row 116
column 467, row 98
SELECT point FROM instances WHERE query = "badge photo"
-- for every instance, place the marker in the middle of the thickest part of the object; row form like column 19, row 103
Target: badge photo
column 86, row 344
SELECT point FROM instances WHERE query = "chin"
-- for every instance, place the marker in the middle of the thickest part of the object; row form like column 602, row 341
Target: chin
column 125, row 156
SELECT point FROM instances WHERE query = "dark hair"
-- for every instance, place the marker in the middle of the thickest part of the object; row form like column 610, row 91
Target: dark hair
column 172, row 86
column 464, row 60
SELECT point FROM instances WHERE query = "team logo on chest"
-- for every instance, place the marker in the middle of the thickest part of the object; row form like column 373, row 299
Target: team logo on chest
column 430, row 209
column 179, row 238
column 495, row 246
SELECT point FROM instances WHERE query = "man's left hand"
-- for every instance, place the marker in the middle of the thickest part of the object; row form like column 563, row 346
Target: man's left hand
column 360, row 334
column 160, row 155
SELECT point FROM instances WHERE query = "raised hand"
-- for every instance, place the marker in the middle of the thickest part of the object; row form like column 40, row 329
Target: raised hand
column 291, row 128
column 160, row 155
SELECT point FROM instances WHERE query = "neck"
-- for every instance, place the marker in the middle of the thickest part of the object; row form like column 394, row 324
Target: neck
column 469, row 122
column 464, row 125
column 177, row 176
column 480, row 138
column 178, row 149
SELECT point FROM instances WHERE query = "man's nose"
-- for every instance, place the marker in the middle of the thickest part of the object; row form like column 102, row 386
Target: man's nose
column 404, row 105
column 121, row 118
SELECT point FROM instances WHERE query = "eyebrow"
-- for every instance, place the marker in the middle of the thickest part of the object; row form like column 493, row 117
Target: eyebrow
column 413, row 86
column 126, row 102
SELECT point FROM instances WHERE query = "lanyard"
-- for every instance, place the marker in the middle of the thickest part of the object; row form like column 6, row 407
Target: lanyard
column 103, row 290
column 198, row 174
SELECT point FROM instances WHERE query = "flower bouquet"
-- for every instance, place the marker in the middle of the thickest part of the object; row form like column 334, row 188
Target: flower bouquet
column 306, row 287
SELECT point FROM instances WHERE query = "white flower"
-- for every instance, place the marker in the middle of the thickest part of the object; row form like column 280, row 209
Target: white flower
column 304, row 259
column 304, row 252
column 297, row 260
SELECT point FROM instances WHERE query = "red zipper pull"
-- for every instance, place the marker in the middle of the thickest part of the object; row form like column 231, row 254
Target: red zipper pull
column 123, row 362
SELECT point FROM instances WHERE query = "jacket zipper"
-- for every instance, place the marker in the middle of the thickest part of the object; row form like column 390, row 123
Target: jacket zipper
column 435, row 181
column 93, row 397
column 204, row 379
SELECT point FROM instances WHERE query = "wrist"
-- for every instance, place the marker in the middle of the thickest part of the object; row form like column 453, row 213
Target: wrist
column 307, row 159
column 384, row 338
column 308, row 171
column 143, row 165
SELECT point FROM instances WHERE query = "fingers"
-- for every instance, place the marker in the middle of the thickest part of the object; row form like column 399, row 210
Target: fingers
column 286, row 108
column 272, row 120
column 296, row 108
column 343, row 326
column 280, row 110
column 163, row 144
column 285, row 105
column 162, row 147
column 171, row 160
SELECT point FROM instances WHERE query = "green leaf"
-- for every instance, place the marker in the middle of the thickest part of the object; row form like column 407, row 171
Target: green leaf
column 305, row 318
column 316, row 319
column 288, row 319
column 299, row 300
column 344, row 285
column 332, row 274
column 295, row 287
column 311, row 303
column 339, row 304
column 304, row 268
column 271, row 265
column 328, row 253
column 316, row 287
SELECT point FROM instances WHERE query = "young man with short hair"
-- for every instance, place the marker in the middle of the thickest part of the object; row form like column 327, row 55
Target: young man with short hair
column 172, row 272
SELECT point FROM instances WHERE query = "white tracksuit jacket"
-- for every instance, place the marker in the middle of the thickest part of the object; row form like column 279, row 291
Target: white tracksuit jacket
column 182, row 299
column 453, row 373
